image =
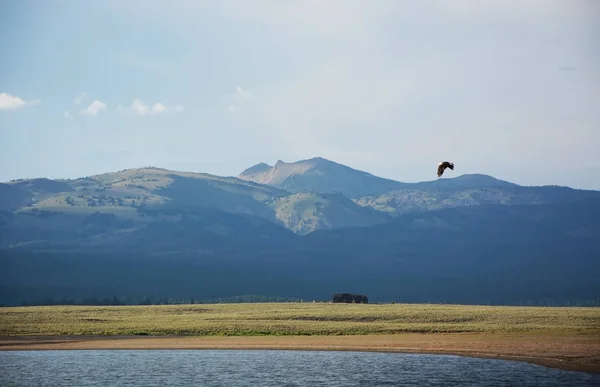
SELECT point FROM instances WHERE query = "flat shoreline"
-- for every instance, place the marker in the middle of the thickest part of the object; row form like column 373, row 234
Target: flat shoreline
column 572, row 352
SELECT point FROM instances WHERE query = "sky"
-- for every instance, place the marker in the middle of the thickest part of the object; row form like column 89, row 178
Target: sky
column 505, row 88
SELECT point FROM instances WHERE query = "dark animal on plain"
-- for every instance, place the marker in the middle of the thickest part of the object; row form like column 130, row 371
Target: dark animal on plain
column 442, row 167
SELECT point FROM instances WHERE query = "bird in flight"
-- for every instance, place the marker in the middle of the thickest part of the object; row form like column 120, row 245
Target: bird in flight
column 442, row 167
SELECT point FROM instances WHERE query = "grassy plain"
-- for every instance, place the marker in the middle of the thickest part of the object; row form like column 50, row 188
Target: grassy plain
column 565, row 338
column 293, row 319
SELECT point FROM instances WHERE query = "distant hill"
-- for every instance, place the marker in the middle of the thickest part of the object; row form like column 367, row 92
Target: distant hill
column 468, row 181
column 42, row 185
column 304, row 229
column 129, row 196
column 13, row 197
column 304, row 196
column 427, row 197
column 308, row 211
column 319, row 175
column 492, row 254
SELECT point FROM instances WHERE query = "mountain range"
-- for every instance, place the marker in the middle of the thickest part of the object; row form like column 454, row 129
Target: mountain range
column 300, row 229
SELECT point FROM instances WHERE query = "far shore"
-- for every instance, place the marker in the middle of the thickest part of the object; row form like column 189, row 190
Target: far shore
column 573, row 352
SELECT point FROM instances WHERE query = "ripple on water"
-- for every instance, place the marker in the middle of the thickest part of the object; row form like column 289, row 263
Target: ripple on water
column 271, row 368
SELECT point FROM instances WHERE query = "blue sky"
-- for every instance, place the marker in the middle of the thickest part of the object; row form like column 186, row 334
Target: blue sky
column 506, row 88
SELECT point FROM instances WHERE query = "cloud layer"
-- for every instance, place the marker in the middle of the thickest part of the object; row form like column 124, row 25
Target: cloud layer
column 12, row 102
column 94, row 108
column 139, row 108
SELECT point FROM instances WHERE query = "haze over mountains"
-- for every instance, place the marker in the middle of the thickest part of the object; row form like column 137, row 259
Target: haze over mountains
column 303, row 229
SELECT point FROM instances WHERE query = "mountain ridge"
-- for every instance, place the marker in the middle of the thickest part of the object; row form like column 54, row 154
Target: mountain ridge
column 315, row 173
column 295, row 195
column 147, row 231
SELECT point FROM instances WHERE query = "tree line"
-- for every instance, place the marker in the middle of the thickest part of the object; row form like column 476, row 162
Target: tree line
column 158, row 300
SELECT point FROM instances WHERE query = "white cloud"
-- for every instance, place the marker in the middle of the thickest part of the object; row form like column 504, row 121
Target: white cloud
column 80, row 98
column 94, row 108
column 67, row 115
column 138, row 107
column 12, row 102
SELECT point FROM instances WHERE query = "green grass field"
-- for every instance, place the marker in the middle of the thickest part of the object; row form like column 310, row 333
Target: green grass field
column 293, row 319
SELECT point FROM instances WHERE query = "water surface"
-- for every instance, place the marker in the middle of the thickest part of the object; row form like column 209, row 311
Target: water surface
column 271, row 368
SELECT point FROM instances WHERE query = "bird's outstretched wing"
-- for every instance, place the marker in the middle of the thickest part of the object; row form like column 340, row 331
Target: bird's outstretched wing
column 442, row 167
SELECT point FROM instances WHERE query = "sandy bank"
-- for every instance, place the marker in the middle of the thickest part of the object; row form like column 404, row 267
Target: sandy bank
column 568, row 352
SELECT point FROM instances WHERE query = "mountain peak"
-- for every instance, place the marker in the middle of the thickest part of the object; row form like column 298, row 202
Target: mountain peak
column 313, row 161
column 320, row 160
column 256, row 173
column 320, row 175
column 260, row 167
